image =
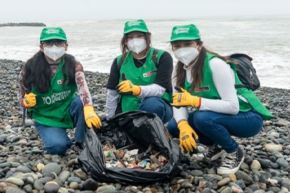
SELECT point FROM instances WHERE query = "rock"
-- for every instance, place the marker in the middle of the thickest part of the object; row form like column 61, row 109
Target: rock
column 3, row 139
column 3, row 186
column 82, row 175
column 241, row 184
column 259, row 191
column 244, row 176
column 207, row 190
column 227, row 190
column 51, row 168
column 224, row 181
column 74, row 185
column 244, row 166
column 16, row 181
column 272, row 182
column 282, row 123
column 14, row 190
column 255, row 166
column 186, row 185
column 237, row 189
column 89, row 184
column 27, row 188
column 286, row 183
column 40, row 167
column 22, row 142
column 284, row 190
column 282, row 162
column 232, row 177
column 196, row 172
column 274, row 134
column 74, row 179
column 38, row 184
column 5, row 164
column 63, row 190
column 23, row 169
column 51, row 187
column 63, row 176
column 265, row 163
column 273, row 147
column 106, row 189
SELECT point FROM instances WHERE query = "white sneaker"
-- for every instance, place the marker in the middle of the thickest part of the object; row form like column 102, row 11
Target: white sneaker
column 231, row 162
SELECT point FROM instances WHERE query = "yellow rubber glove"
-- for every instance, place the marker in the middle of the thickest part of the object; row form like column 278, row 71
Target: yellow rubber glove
column 127, row 87
column 29, row 100
column 187, row 136
column 184, row 98
column 91, row 118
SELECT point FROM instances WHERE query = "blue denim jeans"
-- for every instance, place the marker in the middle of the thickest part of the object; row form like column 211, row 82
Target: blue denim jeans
column 56, row 140
column 158, row 106
column 217, row 128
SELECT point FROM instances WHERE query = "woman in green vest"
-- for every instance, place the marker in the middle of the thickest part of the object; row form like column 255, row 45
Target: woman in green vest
column 50, row 82
column 207, row 105
column 140, row 78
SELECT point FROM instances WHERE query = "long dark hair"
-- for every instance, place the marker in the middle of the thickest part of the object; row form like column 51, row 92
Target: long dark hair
column 124, row 47
column 38, row 72
column 197, row 69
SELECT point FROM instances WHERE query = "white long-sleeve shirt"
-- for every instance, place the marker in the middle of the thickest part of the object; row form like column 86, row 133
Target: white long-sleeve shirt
column 224, row 81
column 146, row 91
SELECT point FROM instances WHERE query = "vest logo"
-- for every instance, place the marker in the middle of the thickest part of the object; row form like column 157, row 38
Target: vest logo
column 148, row 74
column 60, row 82
column 200, row 89
column 55, row 97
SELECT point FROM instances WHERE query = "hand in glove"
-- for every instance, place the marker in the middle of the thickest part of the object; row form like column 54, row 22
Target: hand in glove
column 184, row 98
column 127, row 87
column 29, row 100
column 187, row 136
column 91, row 118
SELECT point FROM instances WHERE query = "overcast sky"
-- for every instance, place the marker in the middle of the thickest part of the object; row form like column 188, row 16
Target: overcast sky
column 51, row 10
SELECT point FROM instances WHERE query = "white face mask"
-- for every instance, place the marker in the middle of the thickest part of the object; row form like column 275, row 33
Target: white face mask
column 136, row 45
column 186, row 55
column 54, row 52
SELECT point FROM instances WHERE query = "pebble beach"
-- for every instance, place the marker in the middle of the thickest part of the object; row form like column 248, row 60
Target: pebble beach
column 25, row 167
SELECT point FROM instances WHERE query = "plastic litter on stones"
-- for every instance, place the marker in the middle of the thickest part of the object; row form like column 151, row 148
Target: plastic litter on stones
column 131, row 158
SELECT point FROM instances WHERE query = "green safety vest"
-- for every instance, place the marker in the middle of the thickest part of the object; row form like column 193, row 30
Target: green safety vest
column 207, row 89
column 52, row 108
column 144, row 75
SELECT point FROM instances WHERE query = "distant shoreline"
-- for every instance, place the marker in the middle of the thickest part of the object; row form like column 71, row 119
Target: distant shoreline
column 33, row 24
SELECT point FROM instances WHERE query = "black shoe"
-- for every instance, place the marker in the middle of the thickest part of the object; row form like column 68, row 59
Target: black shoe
column 231, row 162
column 214, row 152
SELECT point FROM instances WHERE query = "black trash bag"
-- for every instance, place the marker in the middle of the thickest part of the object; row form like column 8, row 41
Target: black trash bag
column 137, row 127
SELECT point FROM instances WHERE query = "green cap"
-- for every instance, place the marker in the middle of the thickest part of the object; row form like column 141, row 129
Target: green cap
column 49, row 33
column 184, row 32
column 135, row 25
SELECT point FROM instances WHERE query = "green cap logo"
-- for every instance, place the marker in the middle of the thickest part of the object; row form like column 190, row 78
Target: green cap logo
column 184, row 32
column 135, row 25
column 49, row 33
column 181, row 30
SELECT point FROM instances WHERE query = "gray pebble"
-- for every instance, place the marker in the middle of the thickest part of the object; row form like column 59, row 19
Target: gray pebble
column 51, row 168
column 282, row 163
column 106, row 189
column 14, row 190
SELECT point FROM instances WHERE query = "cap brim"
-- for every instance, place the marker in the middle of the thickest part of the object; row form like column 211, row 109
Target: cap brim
column 184, row 38
column 54, row 38
column 136, row 30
